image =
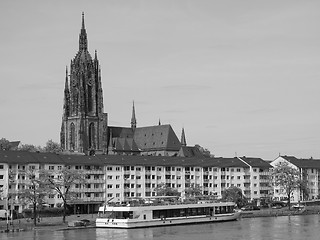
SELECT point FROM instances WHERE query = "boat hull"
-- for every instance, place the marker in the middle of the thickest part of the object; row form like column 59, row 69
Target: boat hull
column 119, row 223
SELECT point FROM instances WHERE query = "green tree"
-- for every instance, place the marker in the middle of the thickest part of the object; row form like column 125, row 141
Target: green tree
column 287, row 178
column 204, row 151
column 193, row 191
column 163, row 190
column 234, row 194
column 52, row 146
column 63, row 182
column 29, row 148
column 4, row 144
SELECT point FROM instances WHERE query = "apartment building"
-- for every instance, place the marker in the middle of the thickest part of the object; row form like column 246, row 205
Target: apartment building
column 118, row 178
column 309, row 172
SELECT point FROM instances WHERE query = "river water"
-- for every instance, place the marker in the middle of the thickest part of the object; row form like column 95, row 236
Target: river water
column 284, row 228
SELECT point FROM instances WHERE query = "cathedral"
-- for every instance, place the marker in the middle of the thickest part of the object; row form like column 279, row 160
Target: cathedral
column 85, row 126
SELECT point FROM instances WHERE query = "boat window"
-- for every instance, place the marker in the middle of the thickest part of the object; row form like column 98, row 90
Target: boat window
column 116, row 215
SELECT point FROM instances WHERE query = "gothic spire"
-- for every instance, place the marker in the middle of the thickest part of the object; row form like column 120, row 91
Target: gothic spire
column 83, row 42
column 183, row 138
column 66, row 88
column 133, row 118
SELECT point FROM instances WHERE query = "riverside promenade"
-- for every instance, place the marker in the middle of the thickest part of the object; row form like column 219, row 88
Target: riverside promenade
column 46, row 223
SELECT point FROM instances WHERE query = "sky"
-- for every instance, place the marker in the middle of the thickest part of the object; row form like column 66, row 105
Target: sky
column 241, row 77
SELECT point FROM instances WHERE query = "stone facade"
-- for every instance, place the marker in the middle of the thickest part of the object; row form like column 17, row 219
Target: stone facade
column 84, row 123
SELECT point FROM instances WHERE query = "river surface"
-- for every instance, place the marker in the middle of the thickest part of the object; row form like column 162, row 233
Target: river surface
column 284, row 228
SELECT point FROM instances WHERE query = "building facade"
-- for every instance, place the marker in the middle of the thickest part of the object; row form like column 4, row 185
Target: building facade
column 119, row 178
column 84, row 123
column 309, row 170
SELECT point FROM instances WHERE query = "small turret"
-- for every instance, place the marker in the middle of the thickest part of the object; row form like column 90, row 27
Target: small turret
column 133, row 118
column 183, row 138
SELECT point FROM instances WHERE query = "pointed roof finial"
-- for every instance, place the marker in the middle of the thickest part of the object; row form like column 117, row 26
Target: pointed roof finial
column 83, row 20
column 66, row 83
column 159, row 122
column 83, row 42
column 183, row 138
column 95, row 54
column 133, row 118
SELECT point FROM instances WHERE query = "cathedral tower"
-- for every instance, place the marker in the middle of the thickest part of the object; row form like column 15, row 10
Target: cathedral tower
column 84, row 124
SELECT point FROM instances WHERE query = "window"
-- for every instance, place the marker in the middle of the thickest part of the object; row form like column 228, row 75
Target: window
column 109, row 177
column 117, row 168
column 109, row 195
column 138, row 177
column 117, row 177
column 109, row 168
column 1, row 176
column 59, row 167
column 179, row 169
column 1, row 167
column 117, row 194
column 238, row 170
column 117, row 185
column 138, row 169
column 109, row 186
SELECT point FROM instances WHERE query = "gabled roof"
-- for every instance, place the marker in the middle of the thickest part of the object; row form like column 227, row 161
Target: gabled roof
column 159, row 137
column 21, row 157
column 125, row 145
column 303, row 163
column 256, row 162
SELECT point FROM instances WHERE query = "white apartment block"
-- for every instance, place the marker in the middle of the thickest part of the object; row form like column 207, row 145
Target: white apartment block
column 309, row 171
column 118, row 178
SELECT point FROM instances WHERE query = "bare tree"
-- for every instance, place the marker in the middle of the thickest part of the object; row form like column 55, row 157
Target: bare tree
column 34, row 191
column 62, row 182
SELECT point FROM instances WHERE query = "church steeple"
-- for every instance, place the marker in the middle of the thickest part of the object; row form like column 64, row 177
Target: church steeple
column 84, row 123
column 183, row 138
column 83, row 42
column 133, row 118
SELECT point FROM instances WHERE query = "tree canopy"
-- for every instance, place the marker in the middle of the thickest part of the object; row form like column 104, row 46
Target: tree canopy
column 163, row 190
column 287, row 178
column 234, row 194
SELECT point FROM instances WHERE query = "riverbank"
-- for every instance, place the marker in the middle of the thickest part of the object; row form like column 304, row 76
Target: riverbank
column 56, row 224
column 308, row 210
column 47, row 223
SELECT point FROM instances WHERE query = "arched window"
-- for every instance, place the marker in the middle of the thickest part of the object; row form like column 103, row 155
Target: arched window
column 90, row 100
column 91, row 136
column 72, row 136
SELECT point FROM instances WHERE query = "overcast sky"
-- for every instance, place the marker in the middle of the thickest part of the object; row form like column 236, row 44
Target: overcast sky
column 242, row 77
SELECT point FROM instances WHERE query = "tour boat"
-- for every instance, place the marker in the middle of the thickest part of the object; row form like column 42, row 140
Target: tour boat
column 151, row 215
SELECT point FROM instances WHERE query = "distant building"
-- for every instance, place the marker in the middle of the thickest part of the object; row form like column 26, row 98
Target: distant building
column 85, row 127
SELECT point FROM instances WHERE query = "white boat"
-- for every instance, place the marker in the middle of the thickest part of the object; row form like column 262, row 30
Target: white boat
column 137, row 216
